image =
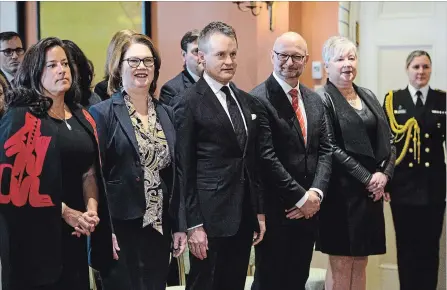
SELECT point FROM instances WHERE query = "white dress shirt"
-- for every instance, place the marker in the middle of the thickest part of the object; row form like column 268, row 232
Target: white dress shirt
column 286, row 88
column 8, row 76
column 413, row 91
column 194, row 76
column 216, row 88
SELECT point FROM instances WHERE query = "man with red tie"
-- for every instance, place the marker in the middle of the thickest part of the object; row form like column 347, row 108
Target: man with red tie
column 296, row 159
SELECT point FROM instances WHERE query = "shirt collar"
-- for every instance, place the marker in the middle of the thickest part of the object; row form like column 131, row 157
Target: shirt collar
column 8, row 76
column 413, row 90
column 194, row 76
column 214, row 85
column 285, row 86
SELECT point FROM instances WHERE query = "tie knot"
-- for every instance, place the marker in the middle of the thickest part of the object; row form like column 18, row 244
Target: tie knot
column 293, row 93
column 226, row 91
column 419, row 94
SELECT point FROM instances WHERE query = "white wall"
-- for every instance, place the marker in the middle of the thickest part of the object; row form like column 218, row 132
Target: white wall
column 8, row 16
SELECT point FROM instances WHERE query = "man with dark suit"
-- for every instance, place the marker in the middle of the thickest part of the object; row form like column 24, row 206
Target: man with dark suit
column 192, row 68
column 418, row 188
column 296, row 159
column 11, row 54
column 217, row 164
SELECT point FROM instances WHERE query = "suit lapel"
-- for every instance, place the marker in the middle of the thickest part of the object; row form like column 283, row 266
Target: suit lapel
column 77, row 112
column 211, row 101
column 309, row 107
column 429, row 104
column 382, row 127
column 187, row 79
column 280, row 101
column 122, row 114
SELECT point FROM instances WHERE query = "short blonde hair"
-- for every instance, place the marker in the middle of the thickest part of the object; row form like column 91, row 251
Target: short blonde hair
column 337, row 46
column 116, row 60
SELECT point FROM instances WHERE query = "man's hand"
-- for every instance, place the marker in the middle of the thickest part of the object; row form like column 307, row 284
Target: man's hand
column 198, row 242
column 387, row 197
column 179, row 244
column 258, row 237
column 378, row 181
column 312, row 204
column 294, row 213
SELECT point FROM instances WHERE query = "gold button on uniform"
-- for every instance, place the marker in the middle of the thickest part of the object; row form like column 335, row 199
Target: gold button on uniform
column 427, row 150
column 410, row 164
column 427, row 164
column 426, row 135
column 410, row 150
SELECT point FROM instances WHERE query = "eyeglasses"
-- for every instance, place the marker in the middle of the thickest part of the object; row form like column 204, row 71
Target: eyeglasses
column 285, row 57
column 10, row 51
column 134, row 62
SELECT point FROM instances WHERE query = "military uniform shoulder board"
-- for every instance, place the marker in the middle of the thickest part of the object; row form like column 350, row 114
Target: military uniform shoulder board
column 441, row 91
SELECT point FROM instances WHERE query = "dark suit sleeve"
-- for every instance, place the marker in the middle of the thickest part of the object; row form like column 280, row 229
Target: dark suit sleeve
column 324, row 166
column 180, row 218
column 166, row 94
column 186, row 162
column 352, row 166
column 288, row 189
column 388, row 169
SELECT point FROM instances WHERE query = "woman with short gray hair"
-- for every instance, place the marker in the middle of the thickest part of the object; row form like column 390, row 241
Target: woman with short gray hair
column 352, row 224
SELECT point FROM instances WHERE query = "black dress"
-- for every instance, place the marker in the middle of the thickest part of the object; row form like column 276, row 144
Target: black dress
column 77, row 156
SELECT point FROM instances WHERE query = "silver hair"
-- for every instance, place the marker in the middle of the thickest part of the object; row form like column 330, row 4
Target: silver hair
column 337, row 46
column 212, row 28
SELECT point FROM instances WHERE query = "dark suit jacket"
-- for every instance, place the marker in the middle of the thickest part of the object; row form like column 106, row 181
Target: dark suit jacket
column 122, row 169
column 425, row 182
column 289, row 167
column 214, row 173
column 101, row 90
column 179, row 83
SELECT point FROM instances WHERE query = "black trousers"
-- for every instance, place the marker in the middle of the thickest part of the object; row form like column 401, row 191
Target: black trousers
column 418, row 231
column 143, row 262
column 283, row 257
column 225, row 267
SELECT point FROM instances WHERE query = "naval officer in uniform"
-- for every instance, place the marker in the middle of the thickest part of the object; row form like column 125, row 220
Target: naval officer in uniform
column 418, row 189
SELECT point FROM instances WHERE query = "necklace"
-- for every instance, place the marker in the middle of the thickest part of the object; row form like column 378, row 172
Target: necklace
column 62, row 118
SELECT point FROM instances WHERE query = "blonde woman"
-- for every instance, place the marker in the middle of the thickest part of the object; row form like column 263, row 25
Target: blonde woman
column 351, row 217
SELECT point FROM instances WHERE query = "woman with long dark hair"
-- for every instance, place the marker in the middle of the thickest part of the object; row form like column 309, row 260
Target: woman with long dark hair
column 85, row 71
column 52, row 190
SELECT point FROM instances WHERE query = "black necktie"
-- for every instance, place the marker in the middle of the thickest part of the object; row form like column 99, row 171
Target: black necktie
column 236, row 118
column 419, row 103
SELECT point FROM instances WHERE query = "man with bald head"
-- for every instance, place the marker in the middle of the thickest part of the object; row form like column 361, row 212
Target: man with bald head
column 296, row 159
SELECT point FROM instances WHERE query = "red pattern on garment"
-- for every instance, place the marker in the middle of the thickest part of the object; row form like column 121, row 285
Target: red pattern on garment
column 30, row 148
column 92, row 122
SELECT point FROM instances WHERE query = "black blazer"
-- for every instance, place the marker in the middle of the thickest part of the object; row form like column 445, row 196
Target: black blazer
column 214, row 173
column 173, row 87
column 101, row 90
column 289, row 167
column 123, row 172
column 425, row 182
column 355, row 158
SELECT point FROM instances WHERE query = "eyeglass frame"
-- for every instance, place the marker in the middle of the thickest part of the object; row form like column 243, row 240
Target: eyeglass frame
column 302, row 57
column 139, row 61
column 16, row 50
